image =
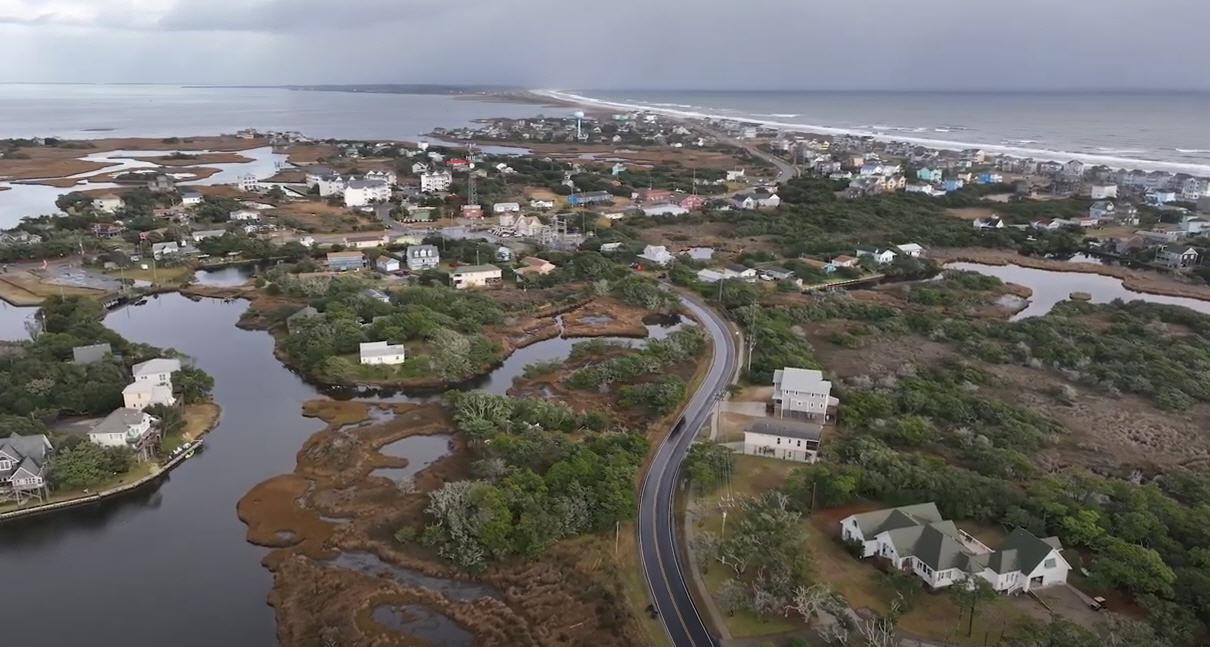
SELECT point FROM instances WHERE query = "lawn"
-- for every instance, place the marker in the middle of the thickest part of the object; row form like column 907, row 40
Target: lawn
column 199, row 419
column 137, row 472
column 168, row 276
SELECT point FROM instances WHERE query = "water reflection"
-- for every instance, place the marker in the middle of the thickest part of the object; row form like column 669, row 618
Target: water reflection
column 1051, row 287
column 422, row 622
column 420, row 452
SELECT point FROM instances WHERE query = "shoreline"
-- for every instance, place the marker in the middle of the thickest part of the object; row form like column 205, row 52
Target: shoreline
column 194, row 443
column 1040, row 154
column 1141, row 281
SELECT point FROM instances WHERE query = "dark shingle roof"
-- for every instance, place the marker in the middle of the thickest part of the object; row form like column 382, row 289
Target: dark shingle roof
column 787, row 428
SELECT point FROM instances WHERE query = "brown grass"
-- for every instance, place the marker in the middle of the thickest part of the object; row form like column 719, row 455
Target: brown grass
column 309, row 153
column 196, row 159
column 50, row 162
column 26, row 289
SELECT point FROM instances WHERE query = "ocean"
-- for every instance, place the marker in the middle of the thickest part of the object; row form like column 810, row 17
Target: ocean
column 1167, row 131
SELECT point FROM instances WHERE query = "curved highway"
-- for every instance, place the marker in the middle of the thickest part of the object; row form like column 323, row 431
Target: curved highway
column 666, row 576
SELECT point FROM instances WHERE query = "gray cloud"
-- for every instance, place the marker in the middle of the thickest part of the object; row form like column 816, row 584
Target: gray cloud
column 794, row 44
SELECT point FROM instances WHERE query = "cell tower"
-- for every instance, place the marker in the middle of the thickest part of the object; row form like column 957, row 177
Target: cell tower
column 472, row 193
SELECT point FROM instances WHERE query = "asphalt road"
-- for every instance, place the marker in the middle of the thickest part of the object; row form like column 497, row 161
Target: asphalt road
column 785, row 170
column 661, row 561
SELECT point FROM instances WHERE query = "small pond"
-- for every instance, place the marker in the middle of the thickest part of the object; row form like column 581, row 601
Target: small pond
column 1051, row 287
column 420, row 452
column 424, row 623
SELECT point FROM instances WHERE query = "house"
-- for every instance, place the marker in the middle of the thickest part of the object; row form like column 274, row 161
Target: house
column 664, row 209
column 125, row 428
column 710, row 276
column 542, row 204
column 475, row 276
column 692, row 201
column 472, row 211
column 844, row 260
column 927, row 174
column 199, row 236
column 699, row 253
column 381, row 353
column 419, row 168
column 422, row 257
column 802, row 393
column 735, row 175
column 952, row 184
column 1103, row 191
column 988, row 222
column 248, row 183
column 1074, row 168
column 90, row 354
column 160, row 250
column 359, row 193
column 1047, row 224
column 505, row 254
column 610, row 248
column 910, row 249
column 825, row 266
column 108, row 203
column 1161, row 197
column 386, row 176
column 23, row 465
column 1194, row 226
column 880, row 256
column 386, row 263
column 1102, row 210
column 652, row 195
column 191, row 198
column 617, row 169
column 1177, row 258
column 330, row 185
column 740, row 272
column 244, row 215
column 534, row 266
column 593, row 197
column 314, row 174
column 918, row 540
column 775, row 273
column 436, row 181
column 366, row 241
column 506, row 207
column 657, row 254
column 926, row 189
column 140, row 395
column 1195, row 188
column 989, row 178
column 755, row 200
column 528, row 226
column 107, row 229
column 789, row 440
column 156, row 371
column 299, row 316
column 161, row 183
column 344, row 261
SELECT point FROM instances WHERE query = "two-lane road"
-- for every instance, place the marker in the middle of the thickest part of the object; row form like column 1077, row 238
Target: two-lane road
column 666, row 576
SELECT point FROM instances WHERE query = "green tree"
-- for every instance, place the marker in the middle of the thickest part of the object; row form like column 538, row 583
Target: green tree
column 192, row 384
column 1121, row 564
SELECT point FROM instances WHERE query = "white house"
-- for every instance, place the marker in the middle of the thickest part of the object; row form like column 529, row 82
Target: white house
column 542, row 204
column 330, row 185
column 248, row 183
column 422, row 257
column 664, row 209
column 122, row 427
column 990, row 222
column 610, row 248
column 366, row 241
column 199, row 236
column 386, row 176
column 386, row 263
column 755, row 200
column 359, row 193
column 1102, row 210
column 380, row 352
column 156, row 371
column 735, row 175
column 314, row 174
column 475, row 276
column 436, row 181
column 880, row 256
column 190, row 198
column 506, row 207
column 700, row 253
column 419, row 167
column 140, row 395
column 504, row 254
column 244, row 215
column 1103, row 191
column 910, row 249
column 160, row 250
column 916, row 539
column 789, row 440
column 802, row 393
column 657, row 254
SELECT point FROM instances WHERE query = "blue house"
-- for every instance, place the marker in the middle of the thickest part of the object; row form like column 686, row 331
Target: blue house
column 929, row 174
column 989, row 178
column 952, row 185
column 594, row 197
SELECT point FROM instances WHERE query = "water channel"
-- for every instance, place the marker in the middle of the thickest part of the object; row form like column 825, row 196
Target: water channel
column 1051, row 287
column 171, row 564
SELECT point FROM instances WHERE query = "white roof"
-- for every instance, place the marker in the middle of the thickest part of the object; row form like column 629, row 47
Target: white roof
column 154, row 366
column 910, row 247
column 800, row 379
column 380, row 348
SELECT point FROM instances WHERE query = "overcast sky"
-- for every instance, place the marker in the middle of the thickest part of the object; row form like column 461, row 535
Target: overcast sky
column 662, row 44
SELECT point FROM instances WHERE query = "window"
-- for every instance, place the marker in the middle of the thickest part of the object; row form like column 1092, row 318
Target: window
column 5, row 464
column 1050, row 563
column 799, row 443
column 779, row 440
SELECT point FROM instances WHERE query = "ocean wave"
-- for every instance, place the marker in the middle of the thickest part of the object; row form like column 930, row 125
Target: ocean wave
column 1192, row 150
column 1119, row 151
column 782, row 115
column 1044, row 154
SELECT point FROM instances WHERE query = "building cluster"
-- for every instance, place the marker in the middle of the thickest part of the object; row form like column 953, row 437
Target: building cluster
column 633, row 128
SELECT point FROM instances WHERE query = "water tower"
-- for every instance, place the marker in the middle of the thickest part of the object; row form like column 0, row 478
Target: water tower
column 579, row 115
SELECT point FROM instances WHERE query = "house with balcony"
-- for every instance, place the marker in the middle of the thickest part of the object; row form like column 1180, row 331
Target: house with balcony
column 156, row 371
column 345, row 261
column 422, row 257
column 140, row 395
column 788, row 440
column 802, row 393
column 23, row 462
column 475, row 276
column 127, row 428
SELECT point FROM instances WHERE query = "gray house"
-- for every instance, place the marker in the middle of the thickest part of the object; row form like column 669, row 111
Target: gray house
column 23, row 465
column 422, row 257
column 90, row 354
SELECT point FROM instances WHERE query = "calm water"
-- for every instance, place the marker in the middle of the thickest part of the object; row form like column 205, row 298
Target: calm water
column 1053, row 287
column 1116, row 129
column 177, row 554
column 91, row 111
